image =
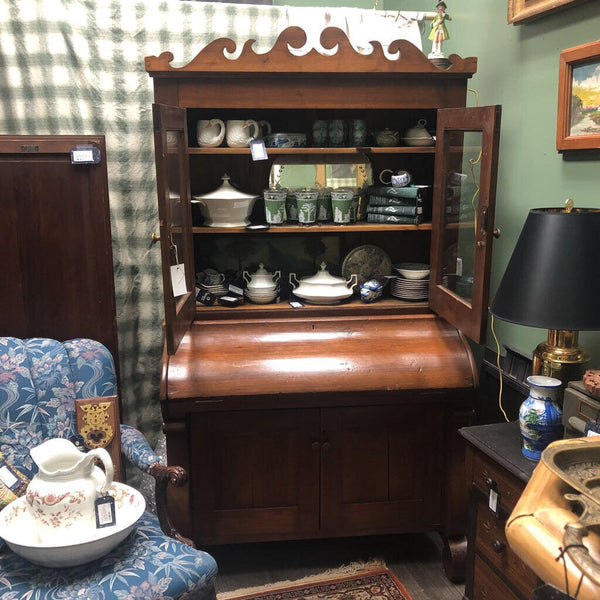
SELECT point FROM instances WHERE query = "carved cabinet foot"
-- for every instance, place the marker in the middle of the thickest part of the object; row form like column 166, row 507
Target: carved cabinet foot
column 454, row 556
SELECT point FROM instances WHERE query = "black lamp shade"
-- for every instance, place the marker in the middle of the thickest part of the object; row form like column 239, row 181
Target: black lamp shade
column 553, row 277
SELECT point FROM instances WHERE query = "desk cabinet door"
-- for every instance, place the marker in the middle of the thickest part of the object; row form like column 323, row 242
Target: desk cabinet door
column 256, row 475
column 381, row 468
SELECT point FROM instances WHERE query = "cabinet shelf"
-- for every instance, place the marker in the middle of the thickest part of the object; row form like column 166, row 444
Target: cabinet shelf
column 385, row 306
column 330, row 151
column 316, row 228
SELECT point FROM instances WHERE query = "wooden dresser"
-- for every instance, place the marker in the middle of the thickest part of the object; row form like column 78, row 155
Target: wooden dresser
column 497, row 473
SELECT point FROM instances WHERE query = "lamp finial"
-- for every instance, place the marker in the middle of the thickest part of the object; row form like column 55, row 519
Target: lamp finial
column 569, row 205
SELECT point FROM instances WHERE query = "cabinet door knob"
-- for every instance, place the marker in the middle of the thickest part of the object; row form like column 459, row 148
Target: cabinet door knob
column 498, row 546
column 326, row 445
column 315, row 445
column 496, row 233
column 491, row 484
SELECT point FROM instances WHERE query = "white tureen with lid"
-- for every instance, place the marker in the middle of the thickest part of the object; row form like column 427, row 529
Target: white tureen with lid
column 226, row 206
column 323, row 288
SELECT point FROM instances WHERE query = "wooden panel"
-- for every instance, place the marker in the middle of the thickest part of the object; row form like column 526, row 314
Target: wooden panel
column 378, row 475
column 221, row 359
column 509, row 488
column 263, row 474
column 491, row 541
column 488, row 586
column 57, row 248
column 284, row 92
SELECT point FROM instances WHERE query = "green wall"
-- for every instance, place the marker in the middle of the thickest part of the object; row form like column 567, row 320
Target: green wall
column 518, row 68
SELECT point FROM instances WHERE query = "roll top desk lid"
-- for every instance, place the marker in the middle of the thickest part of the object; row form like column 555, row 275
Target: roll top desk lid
column 299, row 356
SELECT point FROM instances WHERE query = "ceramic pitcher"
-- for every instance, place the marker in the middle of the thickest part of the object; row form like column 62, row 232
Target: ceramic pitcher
column 61, row 496
column 210, row 133
column 239, row 133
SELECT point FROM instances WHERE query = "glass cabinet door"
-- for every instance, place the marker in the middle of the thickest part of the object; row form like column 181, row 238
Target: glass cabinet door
column 463, row 216
column 172, row 174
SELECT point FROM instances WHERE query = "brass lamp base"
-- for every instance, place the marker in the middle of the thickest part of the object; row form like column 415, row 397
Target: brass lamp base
column 560, row 356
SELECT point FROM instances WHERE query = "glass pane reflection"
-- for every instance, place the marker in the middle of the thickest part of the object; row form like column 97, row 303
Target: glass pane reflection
column 462, row 183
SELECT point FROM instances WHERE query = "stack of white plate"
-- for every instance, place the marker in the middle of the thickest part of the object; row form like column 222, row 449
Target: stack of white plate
column 409, row 289
column 217, row 290
column 262, row 296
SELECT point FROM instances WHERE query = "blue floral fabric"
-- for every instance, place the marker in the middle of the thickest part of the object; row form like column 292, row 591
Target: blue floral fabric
column 39, row 380
column 146, row 566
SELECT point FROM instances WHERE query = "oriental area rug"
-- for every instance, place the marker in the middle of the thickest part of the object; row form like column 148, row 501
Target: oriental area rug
column 377, row 584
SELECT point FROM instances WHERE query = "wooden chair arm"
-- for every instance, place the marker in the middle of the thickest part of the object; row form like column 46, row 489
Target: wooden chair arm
column 165, row 475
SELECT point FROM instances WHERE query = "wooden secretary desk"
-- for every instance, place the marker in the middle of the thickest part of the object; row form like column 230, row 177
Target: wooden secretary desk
column 332, row 420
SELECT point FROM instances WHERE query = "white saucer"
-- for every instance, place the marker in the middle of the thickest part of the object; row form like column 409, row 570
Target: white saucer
column 17, row 527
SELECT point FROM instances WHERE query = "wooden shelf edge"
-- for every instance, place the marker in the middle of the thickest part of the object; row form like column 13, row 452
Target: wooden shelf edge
column 385, row 306
column 317, row 228
column 303, row 151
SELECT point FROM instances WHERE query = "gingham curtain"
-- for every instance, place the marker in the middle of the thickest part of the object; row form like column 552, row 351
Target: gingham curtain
column 77, row 67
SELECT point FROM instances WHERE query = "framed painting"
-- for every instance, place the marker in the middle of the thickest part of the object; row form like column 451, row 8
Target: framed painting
column 578, row 126
column 521, row 11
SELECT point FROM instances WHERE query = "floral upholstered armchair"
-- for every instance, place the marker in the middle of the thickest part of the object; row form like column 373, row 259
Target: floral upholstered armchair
column 39, row 381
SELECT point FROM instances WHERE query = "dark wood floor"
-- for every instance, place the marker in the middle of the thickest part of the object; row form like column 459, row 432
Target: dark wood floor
column 415, row 559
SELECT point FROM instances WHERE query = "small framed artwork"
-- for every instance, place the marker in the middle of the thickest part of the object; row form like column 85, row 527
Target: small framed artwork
column 578, row 126
column 521, row 11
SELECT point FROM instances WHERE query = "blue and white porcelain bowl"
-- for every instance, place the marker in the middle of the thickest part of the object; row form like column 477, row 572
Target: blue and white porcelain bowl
column 285, row 140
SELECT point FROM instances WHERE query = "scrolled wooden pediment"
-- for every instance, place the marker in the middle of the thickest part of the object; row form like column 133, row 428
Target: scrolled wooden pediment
column 284, row 57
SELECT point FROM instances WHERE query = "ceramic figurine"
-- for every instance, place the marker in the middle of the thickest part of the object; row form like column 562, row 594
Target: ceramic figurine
column 439, row 31
column 371, row 290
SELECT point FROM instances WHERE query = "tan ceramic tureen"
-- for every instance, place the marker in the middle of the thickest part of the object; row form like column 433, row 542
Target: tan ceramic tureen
column 226, row 206
column 323, row 288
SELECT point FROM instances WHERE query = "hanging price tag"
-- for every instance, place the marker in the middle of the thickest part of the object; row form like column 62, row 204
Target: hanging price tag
column 104, row 508
column 493, row 501
column 178, row 280
column 258, row 150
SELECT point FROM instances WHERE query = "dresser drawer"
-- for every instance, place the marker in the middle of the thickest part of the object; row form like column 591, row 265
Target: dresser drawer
column 489, row 475
column 490, row 541
column 488, row 586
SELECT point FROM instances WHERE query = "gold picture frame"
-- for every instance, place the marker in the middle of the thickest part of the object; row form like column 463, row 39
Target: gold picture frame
column 578, row 115
column 521, row 11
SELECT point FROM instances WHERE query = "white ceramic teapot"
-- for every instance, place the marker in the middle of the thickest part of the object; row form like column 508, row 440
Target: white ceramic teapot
column 261, row 279
column 323, row 288
column 61, row 496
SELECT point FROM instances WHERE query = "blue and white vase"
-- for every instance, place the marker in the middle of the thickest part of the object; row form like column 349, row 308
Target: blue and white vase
column 540, row 415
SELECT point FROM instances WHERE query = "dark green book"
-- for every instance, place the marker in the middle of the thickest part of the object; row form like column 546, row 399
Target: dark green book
column 408, row 211
column 377, row 200
column 410, row 191
column 398, row 219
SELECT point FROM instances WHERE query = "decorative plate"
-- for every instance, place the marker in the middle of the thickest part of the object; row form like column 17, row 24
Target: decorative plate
column 17, row 527
column 367, row 262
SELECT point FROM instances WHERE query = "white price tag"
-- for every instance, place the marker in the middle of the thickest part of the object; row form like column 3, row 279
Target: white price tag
column 7, row 477
column 178, row 280
column 258, row 150
column 105, row 511
column 80, row 156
